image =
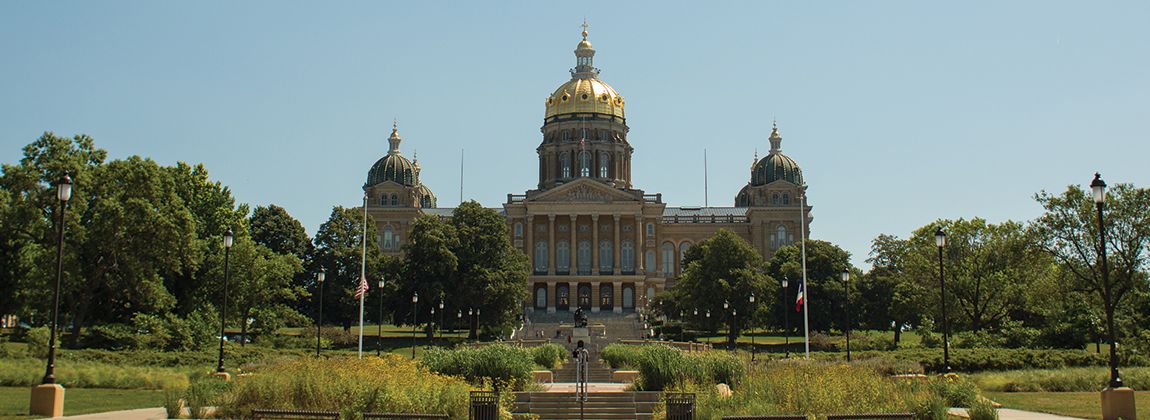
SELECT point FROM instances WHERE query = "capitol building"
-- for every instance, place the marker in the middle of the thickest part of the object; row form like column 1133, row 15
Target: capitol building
column 596, row 241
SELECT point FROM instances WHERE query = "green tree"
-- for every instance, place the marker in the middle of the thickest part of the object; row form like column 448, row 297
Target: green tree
column 338, row 252
column 889, row 295
column 722, row 269
column 490, row 272
column 261, row 285
column 428, row 269
column 825, row 291
column 1068, row 231
column 274, row 228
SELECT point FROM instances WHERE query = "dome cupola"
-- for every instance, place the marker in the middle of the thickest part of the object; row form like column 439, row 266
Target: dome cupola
column 584, row 93
column 393, row 166
column 776, row 166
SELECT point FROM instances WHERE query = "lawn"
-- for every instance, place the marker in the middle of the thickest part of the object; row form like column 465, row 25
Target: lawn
column 1074, row 404
column 14, row 401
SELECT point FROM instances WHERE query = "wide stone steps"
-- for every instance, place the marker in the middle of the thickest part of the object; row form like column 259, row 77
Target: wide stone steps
column 604, row 405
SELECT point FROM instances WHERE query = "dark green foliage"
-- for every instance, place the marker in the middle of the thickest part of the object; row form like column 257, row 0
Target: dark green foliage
column 338, row 250
column 274, row 228
column 984, row 359
column 549, row 355
column 825, row 263
column 499, row 364
column 37, row 339
column 982, row 409
column 661, row 366
column 955, row 390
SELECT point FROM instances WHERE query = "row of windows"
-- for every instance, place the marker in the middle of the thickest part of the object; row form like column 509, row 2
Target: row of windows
column 389, row 240
column 606, row 257
column 584, row 164
column 392, row 200
column 584, row 134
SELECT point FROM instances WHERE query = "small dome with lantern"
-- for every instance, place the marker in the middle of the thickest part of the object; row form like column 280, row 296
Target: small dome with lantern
column 776, row 166
column 393, row 166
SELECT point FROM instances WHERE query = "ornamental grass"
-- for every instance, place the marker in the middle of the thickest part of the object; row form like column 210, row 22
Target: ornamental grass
column 349, row 385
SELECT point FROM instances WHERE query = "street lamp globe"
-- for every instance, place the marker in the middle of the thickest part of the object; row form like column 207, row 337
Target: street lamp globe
column 415, row 297
column 846, row 275
column 441, row 304
column 752, row 298
column 726, row 304
column 459, row 314
column 696, row 311
column 320, row 276
column 470, row 311
column 381, row 284
column 785, row 283
column 64, row 188
column 228, row 237
column 940, row 238
column 1098, row 187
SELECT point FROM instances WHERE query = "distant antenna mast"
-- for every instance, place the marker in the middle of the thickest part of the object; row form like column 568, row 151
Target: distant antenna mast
column 705, row 192
column 460, row 176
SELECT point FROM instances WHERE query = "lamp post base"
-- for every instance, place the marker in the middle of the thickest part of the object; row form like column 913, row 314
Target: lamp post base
column 47, row 400
column 224, row 376
column 1118, row 403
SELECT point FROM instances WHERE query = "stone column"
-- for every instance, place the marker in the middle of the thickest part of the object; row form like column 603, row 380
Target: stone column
column 617, row 297
column 531, row 241
column 551, row 244
column 595, row 244
column 640, row 244
column 551, row 298
column 615, row 247
column 595, row 297
column 573, row 239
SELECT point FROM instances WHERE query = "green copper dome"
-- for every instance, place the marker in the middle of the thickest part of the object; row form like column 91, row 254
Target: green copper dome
column 393, row 166
column 776, row 166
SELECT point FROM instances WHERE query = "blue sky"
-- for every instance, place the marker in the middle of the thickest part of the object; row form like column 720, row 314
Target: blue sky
column 900, row 113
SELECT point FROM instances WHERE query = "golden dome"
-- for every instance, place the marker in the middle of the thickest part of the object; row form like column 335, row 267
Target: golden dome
column 583, row 96
column 585, row 93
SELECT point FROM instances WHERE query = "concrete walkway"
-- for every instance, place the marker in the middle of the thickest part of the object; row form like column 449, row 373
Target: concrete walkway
column 591, row 387
column 1012, row 414
column 137, row 414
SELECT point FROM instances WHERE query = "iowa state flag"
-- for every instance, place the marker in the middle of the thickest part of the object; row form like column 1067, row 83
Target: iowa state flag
column 799, row 300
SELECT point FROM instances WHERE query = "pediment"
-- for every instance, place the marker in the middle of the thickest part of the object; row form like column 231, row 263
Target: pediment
column 585, row 191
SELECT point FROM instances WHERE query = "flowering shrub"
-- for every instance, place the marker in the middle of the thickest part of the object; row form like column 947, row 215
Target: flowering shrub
column 662, row 366
column 499, row 364
column 549, row 355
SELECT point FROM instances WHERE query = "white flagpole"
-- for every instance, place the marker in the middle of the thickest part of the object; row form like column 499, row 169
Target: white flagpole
column 362, row 274
column 806, row 291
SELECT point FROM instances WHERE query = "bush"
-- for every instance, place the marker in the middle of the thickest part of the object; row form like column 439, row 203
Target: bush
column 349, row 385
column 982, row 409
column 204, row 393
column 985, row 359
column 661, row 366
column 620, row 356
column 549, row 355
column 37, row 339
column 499, row 364
column 73, row 374
column 955, row 390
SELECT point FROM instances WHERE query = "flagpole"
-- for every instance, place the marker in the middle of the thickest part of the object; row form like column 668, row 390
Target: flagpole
column 362, row 273
column 806, row 291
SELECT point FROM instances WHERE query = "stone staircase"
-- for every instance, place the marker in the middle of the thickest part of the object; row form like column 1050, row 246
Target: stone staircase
column 599, row 405
column 597, row 372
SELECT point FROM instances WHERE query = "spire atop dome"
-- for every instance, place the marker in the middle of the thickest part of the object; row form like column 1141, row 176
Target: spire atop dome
column 584, row 58
column 776, row 139
column 753, row 162
column 394, row 140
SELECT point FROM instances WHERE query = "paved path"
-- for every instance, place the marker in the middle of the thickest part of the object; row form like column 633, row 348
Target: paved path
column 138, row 414
column 1012, row 414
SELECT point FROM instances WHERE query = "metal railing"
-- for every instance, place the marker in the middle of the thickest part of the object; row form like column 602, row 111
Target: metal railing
column 273, row 414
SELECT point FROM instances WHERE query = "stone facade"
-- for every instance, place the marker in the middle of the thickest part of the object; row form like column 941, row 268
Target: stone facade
column 595, row 241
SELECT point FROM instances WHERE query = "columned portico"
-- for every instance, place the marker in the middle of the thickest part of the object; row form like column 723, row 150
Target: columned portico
column 551, row 297
column 551, row 244
column 615, row 246
column 618, row 297
column 595, row 245
column 595, row 297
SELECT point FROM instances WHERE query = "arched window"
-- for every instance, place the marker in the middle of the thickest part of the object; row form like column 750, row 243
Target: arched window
column 541, row 257
column 649, row 263
column 387, row 238
column 395, row 242
column 606, row 256
column 668, row 268
column 604, row 161
column 562, row 256
column 650, row 230
column 383, row 200
column 627, row 255
column 585, row 164
column 683, row 247
column 394, row 199
column 518, row 230
column 584, row 257
column 781, row 235
column 541, row 297
column 565, row 165
column 628, row 297
column 775, row 199
column 566, row 135
column 786, row 199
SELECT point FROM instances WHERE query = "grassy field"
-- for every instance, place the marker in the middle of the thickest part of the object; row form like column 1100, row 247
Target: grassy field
column 14, row 401
column 1074, row 404
column 370, row 330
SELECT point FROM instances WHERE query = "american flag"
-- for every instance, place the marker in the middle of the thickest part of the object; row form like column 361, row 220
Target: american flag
column 362, row 289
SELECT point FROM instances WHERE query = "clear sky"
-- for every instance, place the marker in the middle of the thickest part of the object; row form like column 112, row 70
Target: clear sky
column 900, row 113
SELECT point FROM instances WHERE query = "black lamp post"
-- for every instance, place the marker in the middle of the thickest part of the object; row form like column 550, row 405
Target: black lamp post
column 847, row 308
column 319, row 320
column 63, row 193
column 1098, row 187
column 708, row 322
column 379, row 333
column 224, row 307
column 437, row 327
column 432, row 326
column 414, row 320
column 786, row 320
column 751, row 326
column 458, row 320
column 730, row 325
column 940, row 241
